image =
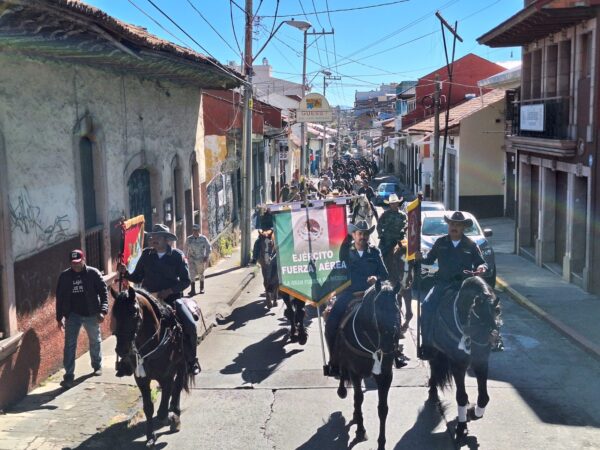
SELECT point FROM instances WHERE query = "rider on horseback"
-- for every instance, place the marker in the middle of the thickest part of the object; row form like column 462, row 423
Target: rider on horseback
column 163, row 271
column 265, row 222
column 365, row 267
column 455, row 254
column 391, row 227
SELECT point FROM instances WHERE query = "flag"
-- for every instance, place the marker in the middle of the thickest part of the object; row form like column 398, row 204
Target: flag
column 133, row 241
column 413, row 211
column 300, row 240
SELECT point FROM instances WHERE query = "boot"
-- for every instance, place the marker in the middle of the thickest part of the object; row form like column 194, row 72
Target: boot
column 202, row 287
column 193, row 290
column 400, row 359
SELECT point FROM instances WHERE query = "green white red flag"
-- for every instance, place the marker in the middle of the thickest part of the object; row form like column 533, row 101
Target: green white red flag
column 413, row 236
column 133, row 241
column 317, row 237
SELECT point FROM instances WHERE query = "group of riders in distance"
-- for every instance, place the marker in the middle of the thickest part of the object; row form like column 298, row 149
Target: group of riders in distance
column 156, row 332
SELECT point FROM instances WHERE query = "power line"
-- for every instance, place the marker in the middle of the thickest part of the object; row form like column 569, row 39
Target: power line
column 346, row 9
column 237, row 43
column 213, row 28
column 185, row 44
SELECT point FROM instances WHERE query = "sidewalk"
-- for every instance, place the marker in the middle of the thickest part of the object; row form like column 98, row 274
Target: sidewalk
column 566, row 307
column 89, row 407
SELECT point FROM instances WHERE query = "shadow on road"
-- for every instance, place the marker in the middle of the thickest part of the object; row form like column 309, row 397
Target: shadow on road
column 258, row 361
column 240, row 317
column 428, row 419
column 120, row 436
column 332, row 435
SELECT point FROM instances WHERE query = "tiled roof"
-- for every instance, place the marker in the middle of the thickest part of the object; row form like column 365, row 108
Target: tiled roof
column 459, row 112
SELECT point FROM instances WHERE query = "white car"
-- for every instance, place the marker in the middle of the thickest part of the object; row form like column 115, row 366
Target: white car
column 433, row 226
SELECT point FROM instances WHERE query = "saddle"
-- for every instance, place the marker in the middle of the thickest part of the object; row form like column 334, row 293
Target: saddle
column 190, row 304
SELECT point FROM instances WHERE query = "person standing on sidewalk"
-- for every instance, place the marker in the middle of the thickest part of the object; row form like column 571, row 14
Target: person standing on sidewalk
column 81, row 300
column 163, row 271
column 197, row 251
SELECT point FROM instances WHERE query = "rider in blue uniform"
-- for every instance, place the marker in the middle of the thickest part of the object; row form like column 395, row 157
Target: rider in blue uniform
column 365, row 267
column 455, row 254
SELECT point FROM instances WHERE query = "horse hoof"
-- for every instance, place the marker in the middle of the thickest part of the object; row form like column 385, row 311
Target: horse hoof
column 293, row 337
column 342, row 392
column 302, row 337
column 471, row 416
column 361, row 435
column 151, row 441
column 163, row 420
column 461, row 431
column 175, row 425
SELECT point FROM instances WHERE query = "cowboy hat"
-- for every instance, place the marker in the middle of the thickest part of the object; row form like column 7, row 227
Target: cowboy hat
column 393, row 199
column 458, row 217
column 162, row 230
column 361, row 225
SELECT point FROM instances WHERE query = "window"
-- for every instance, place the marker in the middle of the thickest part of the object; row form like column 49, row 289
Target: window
column 87, row 183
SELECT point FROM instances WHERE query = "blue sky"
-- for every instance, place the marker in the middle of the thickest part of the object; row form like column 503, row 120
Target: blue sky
column 401, row 41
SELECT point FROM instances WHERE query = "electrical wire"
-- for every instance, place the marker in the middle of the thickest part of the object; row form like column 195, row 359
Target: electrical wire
column 346, row 9
column 237, row 43
column 213, row 28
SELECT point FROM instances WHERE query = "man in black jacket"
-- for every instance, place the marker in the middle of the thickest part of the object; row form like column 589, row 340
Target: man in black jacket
column 163, row 271
column 81, row 300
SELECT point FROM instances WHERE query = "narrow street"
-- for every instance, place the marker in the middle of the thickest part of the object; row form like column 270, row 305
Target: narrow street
column 257, row 391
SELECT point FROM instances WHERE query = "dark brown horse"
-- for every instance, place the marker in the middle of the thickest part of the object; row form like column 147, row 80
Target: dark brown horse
column 365, row 347
column 465, row 327
column 149, row 346
column 400, row 274
column 267, row 258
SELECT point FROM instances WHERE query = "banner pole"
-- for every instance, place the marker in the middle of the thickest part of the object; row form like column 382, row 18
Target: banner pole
column 417, row 269
column 121, row 260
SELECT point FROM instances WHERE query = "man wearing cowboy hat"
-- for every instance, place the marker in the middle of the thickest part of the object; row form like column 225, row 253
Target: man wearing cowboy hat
column 163, row 271
column 197, row 251
column 391, row 226
column 365, row 267
column 454, row 253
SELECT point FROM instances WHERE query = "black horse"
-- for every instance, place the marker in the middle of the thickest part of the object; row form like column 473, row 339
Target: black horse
column 295, row 311
column 466, row 324
column 149, row 345
column 365, row 346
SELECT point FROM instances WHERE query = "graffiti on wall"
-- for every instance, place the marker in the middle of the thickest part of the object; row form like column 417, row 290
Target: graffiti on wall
column 219, row 192
column 26, row 218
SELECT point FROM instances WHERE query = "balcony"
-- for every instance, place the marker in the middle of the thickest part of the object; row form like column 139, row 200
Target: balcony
column 542, row 126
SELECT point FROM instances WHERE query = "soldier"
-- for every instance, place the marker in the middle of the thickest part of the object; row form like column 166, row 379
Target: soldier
column 163, row 271
column 365, row 268
column 197, row 251
column 391, row 227
column 454, row 253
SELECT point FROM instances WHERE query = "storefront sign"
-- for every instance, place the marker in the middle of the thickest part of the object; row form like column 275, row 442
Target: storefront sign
column 314, row 108
column 532, row 117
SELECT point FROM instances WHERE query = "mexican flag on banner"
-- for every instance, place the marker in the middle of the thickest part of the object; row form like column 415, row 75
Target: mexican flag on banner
column 325, row 232
column 413, row 211
column 133, row 241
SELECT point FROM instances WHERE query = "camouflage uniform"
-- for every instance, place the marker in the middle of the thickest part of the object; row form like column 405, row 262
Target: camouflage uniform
column 390, row 228
column 197, row 251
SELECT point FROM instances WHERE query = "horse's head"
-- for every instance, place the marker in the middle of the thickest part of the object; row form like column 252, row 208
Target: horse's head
column 126, row 322
column 386, row 313
column 482, row 309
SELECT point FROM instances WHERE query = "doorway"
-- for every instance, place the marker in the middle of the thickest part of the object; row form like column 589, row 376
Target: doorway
column 140, row 196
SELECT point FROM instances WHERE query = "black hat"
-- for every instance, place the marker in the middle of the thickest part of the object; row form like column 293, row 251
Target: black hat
column 458, row 217
column 162, row 230
column 361, row 225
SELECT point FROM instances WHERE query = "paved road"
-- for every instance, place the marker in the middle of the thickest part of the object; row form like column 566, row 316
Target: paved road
column 257, row 391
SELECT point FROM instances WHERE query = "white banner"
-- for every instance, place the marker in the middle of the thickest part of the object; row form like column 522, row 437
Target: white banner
column 532, row 117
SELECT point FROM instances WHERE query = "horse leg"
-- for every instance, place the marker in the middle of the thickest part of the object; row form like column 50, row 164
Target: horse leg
column 289, row 315
column 342, row 391
column 274, row 295
column 166, row 386
column 175, row 398
column 406, row 297
column 357, row 417
column 384, row 381
column 481, row 372
column 144, row 385
column 462, row 400
column 433, row 392
column 299, row 320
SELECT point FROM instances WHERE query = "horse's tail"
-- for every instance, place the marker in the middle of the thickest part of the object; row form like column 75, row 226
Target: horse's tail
column 441, row 372
column 187, row 378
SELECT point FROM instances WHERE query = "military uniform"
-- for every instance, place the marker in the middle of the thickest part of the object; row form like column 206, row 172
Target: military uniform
column 360, row 268
column 452, row 262
column 391, row 227
column 197, row 251
column 169, row 271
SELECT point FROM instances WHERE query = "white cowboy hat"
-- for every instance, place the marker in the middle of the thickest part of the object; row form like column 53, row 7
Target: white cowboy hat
column 393, row 199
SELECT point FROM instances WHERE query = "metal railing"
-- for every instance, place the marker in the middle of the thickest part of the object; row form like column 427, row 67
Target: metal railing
column 554, row 123
column 94, row 254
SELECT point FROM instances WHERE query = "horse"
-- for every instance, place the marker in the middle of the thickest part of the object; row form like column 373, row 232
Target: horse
column 365, row 346
column 294, row 312
column 362, row 210
column 400, row 273
column 267, row 258
column 463, row 334
column 150, row 347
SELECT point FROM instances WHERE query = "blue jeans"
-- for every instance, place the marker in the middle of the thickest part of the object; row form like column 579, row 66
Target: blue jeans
column 188, row 324
column 73, row 324
column 429, row 308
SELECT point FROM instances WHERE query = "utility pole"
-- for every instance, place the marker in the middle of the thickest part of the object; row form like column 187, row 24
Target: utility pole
column 338, row 146
column 246, row 218
column 326, row 77
column 435, row 185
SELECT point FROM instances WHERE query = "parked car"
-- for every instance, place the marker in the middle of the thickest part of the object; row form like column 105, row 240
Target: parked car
column 383, row 192
column 433, row 226
column 432, row 206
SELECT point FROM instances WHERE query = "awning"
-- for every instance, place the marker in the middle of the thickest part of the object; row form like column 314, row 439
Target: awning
column 535, row 22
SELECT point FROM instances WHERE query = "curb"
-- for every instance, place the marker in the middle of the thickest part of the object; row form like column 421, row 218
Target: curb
column 245, row 281
column 577, row 338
